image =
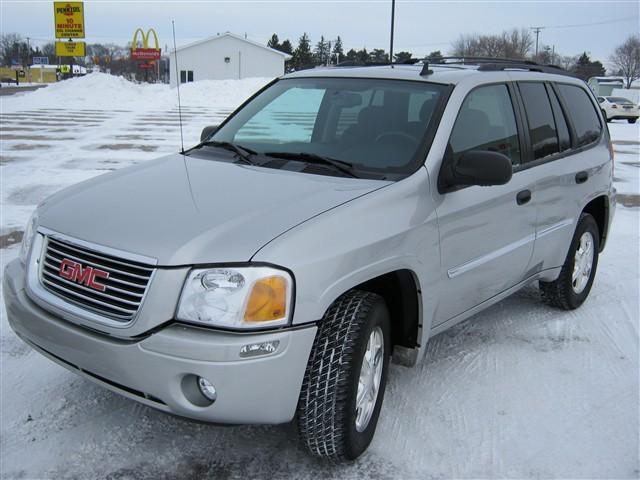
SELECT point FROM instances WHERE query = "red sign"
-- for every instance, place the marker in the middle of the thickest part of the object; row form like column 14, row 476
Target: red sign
column 146, row 65
column 84, row 275
column 145, row 53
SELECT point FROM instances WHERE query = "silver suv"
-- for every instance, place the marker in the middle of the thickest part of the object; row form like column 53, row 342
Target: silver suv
column 339, row 217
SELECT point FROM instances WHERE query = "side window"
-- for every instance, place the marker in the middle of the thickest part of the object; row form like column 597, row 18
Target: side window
column 486, row 122
column 542, row 126
column 293, row 112
column 600, row 99
column 582, row 113
column 561, row 122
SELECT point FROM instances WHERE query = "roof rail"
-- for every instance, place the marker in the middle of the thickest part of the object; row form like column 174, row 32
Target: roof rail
column 490, row 64
column 468, row 60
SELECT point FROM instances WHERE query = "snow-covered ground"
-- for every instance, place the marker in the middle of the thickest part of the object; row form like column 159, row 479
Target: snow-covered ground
column 520, row 390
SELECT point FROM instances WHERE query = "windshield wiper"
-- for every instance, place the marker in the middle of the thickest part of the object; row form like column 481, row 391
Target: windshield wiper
column 340, row 165
column 243, row 153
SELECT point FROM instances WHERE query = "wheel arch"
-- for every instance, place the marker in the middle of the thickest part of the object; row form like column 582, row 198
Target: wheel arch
column 401, row 291
column 598, row 208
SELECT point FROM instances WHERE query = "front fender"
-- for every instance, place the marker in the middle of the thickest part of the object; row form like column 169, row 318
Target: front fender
column 390, row 229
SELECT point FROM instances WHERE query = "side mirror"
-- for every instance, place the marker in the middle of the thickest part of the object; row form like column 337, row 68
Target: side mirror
column 208, row 131
column 478, row 167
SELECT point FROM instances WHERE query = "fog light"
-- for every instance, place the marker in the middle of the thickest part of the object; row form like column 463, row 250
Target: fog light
column 263, row 348
column 207, row 389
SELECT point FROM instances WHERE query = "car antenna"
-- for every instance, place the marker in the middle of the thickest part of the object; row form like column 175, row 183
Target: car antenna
column 175, row 54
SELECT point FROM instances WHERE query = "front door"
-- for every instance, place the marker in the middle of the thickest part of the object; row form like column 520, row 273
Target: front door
column 486, row 233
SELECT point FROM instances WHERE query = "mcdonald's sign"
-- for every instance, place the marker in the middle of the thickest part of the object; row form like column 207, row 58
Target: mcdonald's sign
column 145, row 52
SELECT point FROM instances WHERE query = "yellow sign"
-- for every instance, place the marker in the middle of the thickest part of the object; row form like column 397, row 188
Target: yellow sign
column 145, row 38
column 70, row 49
column 69, row 19
column 65, row 68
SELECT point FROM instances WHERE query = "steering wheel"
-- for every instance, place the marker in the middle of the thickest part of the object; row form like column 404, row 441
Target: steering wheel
column 396, row 133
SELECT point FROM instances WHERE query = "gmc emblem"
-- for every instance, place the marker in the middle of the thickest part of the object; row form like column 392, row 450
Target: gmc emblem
column 84, row 275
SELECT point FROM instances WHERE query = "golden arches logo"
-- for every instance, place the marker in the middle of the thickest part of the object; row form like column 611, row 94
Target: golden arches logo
column 145, row 38
column 145, row 52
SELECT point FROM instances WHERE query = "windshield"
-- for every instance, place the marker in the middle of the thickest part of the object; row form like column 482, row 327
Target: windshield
column 619, row 100
column 373, row 126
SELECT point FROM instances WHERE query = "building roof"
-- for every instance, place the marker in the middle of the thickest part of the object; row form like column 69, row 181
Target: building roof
column 237, row 37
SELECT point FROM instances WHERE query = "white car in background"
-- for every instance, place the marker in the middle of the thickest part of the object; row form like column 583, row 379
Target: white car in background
column 618, row 108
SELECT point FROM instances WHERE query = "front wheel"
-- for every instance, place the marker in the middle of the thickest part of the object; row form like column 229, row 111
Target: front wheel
column 604, row 114
column 346, row 376
column 632, row 120
column 573, row 285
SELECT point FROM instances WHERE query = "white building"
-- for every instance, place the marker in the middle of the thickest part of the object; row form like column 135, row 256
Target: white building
column 226, row 56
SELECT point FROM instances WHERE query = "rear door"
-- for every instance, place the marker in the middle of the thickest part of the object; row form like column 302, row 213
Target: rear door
column 486, row 233
column 567, row 161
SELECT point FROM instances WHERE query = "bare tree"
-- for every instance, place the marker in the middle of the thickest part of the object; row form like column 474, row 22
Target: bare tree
column 626, row 58
column 509, row 44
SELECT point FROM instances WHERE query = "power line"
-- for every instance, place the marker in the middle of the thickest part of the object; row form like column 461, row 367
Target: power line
column 604, row 22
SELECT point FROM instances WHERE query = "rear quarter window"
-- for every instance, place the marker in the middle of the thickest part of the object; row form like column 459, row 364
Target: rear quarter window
column 582, row 114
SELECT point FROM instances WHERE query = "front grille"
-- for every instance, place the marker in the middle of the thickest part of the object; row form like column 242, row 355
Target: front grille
column 124, row 288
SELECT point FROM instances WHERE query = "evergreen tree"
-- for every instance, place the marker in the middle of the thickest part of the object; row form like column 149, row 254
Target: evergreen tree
column 351, row 56
column 585, row 68
column 274, row 42
column 302, row 56
column 286, row 47
column 322, row 51
column 435, row 56
column 402, row 57
column 338, row 52
column 378, row 55
column 362, row 56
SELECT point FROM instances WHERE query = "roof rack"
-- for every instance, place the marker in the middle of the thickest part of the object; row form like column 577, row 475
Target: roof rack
column 492, row 64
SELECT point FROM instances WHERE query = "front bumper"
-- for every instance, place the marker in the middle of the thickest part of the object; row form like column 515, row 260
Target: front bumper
column 158, row 369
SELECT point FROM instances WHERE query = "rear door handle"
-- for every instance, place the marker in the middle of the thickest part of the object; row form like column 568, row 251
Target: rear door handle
column 582, row 177
column 523, row 197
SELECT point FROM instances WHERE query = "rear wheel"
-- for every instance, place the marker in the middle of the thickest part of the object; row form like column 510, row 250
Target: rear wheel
column 346, row 376
column 573, row 285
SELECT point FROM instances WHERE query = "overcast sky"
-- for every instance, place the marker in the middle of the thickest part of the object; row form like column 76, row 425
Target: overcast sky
column 421, row 26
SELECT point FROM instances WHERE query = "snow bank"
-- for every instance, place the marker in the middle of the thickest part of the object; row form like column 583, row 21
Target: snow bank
column 103, row 91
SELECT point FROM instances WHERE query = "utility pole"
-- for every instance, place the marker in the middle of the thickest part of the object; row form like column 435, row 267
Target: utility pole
column 393, row 14
column 537, row 31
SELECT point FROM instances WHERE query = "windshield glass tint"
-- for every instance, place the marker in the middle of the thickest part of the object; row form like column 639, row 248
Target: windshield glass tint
column 376, row 125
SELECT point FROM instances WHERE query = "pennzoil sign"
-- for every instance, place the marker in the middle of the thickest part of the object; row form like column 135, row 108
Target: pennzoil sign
column 69, row 19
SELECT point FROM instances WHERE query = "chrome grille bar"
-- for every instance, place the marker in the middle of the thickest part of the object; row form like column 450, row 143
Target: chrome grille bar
column 124, row 289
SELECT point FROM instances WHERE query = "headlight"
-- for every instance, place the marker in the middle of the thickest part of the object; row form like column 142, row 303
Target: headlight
column 244, row 297
column 27, row 238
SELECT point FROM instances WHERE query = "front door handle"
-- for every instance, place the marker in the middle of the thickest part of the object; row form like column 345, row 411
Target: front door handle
column 523, row 197
column 582, row 177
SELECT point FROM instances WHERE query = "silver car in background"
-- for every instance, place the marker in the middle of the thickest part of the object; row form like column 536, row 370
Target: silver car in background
column 339, row 217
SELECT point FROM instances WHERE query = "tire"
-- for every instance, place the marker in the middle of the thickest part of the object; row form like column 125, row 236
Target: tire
column 604, row 114
column 565, row 292
column 632, row 120
column 327, row 416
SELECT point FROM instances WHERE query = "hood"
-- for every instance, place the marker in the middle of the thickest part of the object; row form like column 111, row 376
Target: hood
column 190, row 210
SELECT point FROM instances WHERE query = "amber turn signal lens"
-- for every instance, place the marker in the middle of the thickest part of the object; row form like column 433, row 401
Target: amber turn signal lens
column 268, row 300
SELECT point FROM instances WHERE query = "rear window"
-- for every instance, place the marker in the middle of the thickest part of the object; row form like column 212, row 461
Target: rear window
column 582, row 113
column 621, row 100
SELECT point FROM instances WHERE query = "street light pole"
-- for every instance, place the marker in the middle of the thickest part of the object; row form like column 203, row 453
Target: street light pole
column 29, row 59
column 393, row 14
